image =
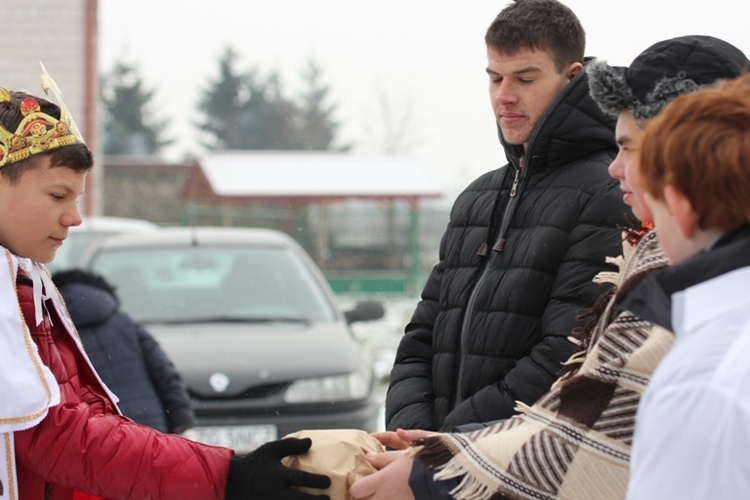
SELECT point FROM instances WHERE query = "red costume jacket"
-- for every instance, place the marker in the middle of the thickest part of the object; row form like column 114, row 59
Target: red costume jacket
column 84, row 445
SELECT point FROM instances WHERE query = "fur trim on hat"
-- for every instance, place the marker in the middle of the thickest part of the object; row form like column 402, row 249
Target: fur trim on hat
column 664, row 92
column 613, row 94
column 662, row 72
column 609, row 88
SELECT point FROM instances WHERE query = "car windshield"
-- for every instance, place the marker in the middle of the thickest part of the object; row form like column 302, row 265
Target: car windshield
column 214, row 283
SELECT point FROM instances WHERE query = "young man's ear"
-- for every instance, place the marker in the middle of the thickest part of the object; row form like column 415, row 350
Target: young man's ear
column 682, row 211
column 573, row 70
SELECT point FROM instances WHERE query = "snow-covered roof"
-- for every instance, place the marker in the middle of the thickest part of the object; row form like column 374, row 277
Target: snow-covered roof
column 316, row 174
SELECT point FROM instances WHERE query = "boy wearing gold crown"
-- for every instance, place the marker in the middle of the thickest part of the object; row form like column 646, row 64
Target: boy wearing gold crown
column 62, row 434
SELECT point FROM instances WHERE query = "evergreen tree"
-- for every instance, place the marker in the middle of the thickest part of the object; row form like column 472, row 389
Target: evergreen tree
column 252, row 111
column 273, row 118
column 224, row 107
column 130, row 126
column 318, row 129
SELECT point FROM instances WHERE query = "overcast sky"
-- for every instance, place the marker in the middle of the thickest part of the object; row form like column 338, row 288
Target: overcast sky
column 428, row 58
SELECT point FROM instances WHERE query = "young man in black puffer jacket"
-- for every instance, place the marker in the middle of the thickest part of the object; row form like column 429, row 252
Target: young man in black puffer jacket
column 523, row 242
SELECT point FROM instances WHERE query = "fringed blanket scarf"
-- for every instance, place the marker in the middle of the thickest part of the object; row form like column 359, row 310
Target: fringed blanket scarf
column 575, row 441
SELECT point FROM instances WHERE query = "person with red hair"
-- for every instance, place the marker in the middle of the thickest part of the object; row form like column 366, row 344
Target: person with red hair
column 693, row 425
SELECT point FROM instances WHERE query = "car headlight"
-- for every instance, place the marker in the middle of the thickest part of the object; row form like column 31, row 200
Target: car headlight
column 348, row 387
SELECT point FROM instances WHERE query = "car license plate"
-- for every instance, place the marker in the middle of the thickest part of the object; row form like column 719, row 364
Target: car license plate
column 241, row 438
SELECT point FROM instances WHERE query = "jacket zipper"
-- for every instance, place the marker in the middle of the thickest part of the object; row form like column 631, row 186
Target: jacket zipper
column 514, row 188
column 510, row 209
column 497, row 248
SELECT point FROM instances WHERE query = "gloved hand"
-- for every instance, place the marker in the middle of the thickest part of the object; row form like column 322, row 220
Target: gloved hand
column 260, row 474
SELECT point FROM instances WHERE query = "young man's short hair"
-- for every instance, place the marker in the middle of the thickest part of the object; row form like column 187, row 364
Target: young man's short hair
column 700, row 144
column 75, row 156
column 539, row 24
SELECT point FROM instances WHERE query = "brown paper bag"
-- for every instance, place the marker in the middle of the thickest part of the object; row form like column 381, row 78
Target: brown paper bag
column 337, row 453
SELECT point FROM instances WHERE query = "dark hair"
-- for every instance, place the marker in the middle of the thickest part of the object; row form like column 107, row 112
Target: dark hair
column 700, row 144
column 75, row 156
column 539, row 24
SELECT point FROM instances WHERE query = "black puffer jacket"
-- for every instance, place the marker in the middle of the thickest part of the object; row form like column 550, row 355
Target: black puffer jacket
column 515, row 271
column 128, row 359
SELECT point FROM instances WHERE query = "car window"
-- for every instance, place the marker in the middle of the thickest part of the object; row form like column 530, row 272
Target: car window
column 75, row 244
column 214, row 283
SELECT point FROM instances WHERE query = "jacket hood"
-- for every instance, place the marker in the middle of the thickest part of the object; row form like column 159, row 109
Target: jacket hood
column 572, row 127
column 87, row 304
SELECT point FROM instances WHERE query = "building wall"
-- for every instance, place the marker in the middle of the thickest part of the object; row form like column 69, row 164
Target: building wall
column 62, row 35
column 145, row 191
column 50, row 32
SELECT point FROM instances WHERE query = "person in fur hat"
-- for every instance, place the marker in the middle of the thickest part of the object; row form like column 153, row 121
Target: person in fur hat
column 575, row 442
column 693, row 424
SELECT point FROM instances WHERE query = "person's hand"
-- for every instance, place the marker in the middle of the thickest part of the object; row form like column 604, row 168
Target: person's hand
column 388, row 483
column 260, row 474
column 400, row 439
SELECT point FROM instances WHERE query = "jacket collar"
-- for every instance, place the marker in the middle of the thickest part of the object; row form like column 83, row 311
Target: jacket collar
column 652, row 299
column 710, row 299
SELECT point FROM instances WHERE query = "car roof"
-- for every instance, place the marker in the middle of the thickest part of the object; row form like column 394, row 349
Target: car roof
column 106, row 223
column 167, row 236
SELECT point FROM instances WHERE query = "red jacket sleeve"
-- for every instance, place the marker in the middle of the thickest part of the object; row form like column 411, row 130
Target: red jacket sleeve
column 114, row 457
column 82, row 445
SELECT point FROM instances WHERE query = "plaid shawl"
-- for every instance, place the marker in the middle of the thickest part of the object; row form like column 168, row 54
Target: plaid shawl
column 575, row 441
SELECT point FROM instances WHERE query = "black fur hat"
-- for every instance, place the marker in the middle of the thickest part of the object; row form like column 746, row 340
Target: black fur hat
column 662, row 72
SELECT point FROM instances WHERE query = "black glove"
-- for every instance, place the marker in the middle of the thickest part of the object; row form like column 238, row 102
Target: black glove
column 260, row 475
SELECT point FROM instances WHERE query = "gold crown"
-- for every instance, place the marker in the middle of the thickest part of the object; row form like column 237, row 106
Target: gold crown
column 38, row 132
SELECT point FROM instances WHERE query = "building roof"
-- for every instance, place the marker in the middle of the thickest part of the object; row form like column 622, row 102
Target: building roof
column 316, row 175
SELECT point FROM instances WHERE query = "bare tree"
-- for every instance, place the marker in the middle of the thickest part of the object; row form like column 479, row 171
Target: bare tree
column 395, row 128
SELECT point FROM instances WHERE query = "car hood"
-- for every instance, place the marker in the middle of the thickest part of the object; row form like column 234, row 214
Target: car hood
column 257, row 354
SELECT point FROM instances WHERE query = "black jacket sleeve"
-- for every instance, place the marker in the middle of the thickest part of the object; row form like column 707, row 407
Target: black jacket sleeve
column 409, row 401
column 423, row 485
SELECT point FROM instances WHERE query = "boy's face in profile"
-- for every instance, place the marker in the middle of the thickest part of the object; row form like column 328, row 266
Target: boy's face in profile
column 625, row 167
column 38, row 209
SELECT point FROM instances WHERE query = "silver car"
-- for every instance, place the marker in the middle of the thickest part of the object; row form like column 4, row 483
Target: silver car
column 91, row 229
column 252, row 326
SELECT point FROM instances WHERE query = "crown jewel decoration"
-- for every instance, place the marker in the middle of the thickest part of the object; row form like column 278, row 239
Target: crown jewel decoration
column 38, row 132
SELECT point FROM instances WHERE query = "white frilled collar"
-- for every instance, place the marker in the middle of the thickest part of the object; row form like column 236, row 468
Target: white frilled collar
column 28, row 386
column 43, row 285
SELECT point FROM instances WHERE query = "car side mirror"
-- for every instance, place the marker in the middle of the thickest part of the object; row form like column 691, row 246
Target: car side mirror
column 367, row 310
